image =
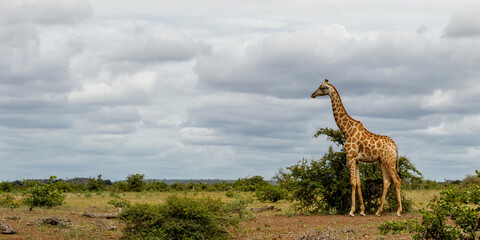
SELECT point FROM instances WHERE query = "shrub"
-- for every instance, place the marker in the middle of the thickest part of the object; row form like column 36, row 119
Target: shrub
column 6, row 187
column 96, row 184
column 249, row 184
column 224, row 186
column 455, row 214
column 238, row 207
column 230, row 194
column 198, row 186
column 269, row 192
column 178, row 187
column 120, row 203
column 404, row 226
column 471, row 179
column 43, row 195
column 460, row 205
column 421, row 184
column 120, row 186
column 178, row 218
column 317, row 186
column 157, row 187
column 63, row 186
column 9, row 201
column 135, row 182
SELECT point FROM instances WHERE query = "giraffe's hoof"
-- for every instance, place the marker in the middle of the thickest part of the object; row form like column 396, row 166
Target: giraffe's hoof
column 398, row 214
column 351, row 215
column 377, row 214
column 362, row 214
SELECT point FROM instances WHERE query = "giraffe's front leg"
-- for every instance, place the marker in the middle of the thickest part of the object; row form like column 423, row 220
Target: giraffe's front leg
column 353, row 182
column 359, row 189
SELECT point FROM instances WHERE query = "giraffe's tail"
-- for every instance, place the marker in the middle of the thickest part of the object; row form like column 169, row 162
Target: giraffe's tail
column 398, row 160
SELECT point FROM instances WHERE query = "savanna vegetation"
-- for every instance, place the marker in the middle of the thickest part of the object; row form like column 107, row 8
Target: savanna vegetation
column 152, row 209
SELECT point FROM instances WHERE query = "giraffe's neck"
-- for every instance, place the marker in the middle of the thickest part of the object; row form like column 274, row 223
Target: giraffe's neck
column 344, row 122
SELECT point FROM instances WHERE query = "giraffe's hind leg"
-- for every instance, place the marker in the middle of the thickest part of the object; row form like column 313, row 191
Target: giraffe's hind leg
column 397, row 181
column 386, row 185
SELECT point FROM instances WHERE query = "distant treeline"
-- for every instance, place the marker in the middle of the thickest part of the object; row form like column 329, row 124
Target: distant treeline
column 137, row 183
column 85, row 180
column 186, row 181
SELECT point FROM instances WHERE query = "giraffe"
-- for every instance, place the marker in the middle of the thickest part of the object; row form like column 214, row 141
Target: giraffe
column 363, row 146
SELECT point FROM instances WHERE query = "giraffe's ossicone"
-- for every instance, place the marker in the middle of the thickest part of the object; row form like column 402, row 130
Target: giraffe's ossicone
column 363, row 146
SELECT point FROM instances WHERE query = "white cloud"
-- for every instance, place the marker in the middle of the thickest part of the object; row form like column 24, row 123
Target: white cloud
column 138, row 88
column 439, row 99
column 464, row 126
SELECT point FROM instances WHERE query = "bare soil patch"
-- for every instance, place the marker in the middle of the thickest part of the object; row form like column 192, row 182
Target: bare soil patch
column 268, row 226
column 36, row 224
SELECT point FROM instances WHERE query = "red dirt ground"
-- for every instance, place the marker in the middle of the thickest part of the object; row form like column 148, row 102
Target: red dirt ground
column 267, row 226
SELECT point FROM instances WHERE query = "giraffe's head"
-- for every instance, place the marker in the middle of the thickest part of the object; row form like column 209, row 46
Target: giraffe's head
column 323, row 90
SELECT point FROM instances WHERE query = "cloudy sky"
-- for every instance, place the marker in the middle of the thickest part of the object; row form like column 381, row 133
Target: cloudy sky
column 221, row 88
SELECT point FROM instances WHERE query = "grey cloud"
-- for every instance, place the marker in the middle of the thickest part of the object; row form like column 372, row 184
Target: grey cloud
column 47, row 121
column 291, row 64
column 33, row 81
column 118, row 91
column 252, row 115
column 146, row 47
column 117, row 114
column 44, row 12
column 464, row 23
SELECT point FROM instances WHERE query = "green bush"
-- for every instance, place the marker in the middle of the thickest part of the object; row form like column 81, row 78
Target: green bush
column 238, row 207
column 249, row 184
column 120, row 186
column 6, row 187
column 43, row 195
column 404, row 226
column 157, row 187
column 96, row 184
column 455, row 214
column 230, row 194
column 317, row 186
column 323, row 185
column 198, row 187
column 178, row 218
column 135, row 182
column 120, row 203
column 63, row 186
column 421, row 184
column 460, row 205
column 269, row 192
column 179, row 187
column 223, row 186
column 9, row 201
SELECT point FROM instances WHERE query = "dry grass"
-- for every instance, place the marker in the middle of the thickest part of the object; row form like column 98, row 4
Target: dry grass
column 282, row 224
column 420, row 198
